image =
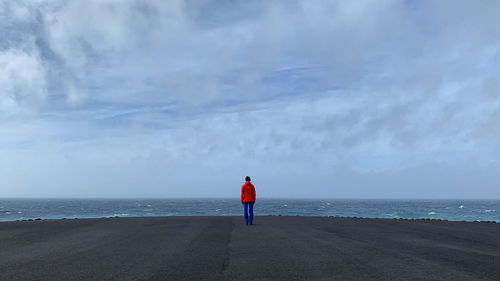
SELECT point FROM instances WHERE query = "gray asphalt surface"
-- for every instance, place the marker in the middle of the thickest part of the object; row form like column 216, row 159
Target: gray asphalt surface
column 223, row 248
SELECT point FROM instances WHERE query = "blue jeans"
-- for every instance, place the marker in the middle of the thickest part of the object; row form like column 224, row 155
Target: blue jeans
column 246, row 207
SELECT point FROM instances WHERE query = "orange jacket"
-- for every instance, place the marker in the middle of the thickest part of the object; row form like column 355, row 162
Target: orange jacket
column 248, row 192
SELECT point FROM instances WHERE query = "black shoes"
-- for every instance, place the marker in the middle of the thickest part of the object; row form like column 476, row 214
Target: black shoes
column 247, row 223
column 251, row 222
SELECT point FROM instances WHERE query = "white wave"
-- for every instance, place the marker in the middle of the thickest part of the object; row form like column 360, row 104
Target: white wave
column 431, row 213
column 489, row 211
column 285, row 205
column 19, row 212
column 120, row 215
column 461, row 207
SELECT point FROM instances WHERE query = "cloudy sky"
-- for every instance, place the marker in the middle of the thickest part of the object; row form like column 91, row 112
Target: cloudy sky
column 342, row 99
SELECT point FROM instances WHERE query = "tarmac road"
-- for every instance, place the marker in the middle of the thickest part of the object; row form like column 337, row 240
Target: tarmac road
column 224, row 248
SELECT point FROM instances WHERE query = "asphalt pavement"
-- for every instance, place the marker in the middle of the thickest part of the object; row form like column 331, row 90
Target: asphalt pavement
column 224, row 248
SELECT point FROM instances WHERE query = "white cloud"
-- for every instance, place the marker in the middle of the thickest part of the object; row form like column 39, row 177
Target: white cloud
column 364, row 88
column 22, row 82
column 74, row 97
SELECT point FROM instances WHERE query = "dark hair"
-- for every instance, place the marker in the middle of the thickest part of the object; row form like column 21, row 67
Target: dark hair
column 247, row 178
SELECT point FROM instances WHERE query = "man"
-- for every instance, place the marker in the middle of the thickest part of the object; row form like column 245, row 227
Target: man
column 248, row 199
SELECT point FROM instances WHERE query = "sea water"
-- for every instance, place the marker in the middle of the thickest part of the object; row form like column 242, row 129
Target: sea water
column 467, row 210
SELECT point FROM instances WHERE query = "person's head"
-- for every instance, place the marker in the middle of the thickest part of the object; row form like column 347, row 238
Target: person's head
column 247, row 178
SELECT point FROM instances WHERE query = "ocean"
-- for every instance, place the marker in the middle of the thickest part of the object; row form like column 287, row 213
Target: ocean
column 460, row 210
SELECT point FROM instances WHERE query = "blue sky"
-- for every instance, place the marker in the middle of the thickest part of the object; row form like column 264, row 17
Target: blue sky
column 347, row 99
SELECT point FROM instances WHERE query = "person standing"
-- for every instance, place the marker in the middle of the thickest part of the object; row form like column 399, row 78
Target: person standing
column 248, row 199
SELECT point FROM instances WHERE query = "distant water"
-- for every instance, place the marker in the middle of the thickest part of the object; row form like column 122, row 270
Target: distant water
column 468, row 210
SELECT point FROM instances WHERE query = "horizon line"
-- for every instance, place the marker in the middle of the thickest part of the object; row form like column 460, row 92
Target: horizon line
column 236, row 198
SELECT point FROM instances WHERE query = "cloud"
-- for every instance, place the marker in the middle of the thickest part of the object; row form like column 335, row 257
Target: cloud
column 22, row 82
column 360, row 90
